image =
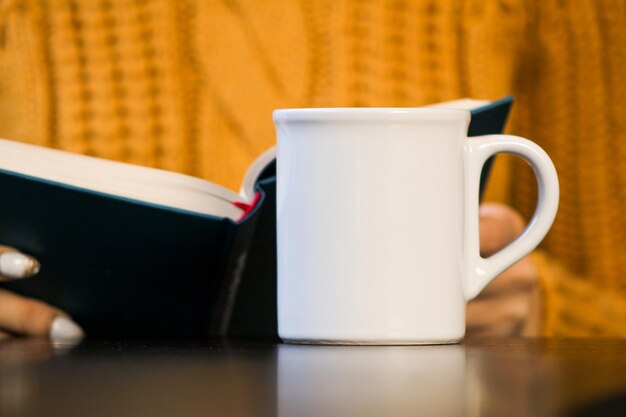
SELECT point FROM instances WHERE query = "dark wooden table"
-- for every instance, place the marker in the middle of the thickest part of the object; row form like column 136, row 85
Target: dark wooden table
column 478, row 378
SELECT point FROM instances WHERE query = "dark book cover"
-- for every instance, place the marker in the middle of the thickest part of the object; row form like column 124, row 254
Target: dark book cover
column 122, row 268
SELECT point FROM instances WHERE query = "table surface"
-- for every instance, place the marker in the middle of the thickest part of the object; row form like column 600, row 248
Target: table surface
column 511, row 377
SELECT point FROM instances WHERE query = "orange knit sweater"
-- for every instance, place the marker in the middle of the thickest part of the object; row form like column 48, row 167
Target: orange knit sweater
column 189, row 86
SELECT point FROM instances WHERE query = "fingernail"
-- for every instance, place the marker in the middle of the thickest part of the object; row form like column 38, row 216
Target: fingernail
column 64, row 329
column 16, row 265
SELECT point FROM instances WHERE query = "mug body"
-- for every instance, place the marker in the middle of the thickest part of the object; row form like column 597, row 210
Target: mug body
column 371, row 225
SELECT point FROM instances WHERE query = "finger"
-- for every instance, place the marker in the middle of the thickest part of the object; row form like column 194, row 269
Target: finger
column 28, row 317
column 499, row 226
column 502, row 316
column 25, row 316
column 521, row 277
column 16, row 265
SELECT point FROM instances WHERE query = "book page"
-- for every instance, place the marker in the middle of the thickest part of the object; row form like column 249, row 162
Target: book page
column 119, row 179
column 252, row 175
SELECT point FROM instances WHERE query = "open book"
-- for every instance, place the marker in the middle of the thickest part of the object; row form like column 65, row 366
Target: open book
column 133, row 182
column 131, row 251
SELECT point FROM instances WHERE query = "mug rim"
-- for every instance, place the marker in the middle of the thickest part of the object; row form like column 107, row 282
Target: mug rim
column 369, row 114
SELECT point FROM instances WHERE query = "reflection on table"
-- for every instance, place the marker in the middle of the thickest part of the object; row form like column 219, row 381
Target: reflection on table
column 478, row 378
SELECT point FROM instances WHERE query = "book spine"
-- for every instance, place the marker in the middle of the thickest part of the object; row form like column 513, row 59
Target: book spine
column 254, row 313
column 235, row 252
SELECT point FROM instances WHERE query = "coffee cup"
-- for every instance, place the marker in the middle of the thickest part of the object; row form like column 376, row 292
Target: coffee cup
column 377, row 223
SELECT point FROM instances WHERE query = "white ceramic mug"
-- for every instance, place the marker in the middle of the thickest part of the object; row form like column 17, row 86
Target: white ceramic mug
column 377, row 223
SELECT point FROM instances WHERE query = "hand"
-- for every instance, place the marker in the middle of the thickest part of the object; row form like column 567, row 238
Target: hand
column 510, row 304
column 21, row 316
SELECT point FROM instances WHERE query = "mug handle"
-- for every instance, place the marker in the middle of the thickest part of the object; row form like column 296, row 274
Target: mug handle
column 481, row 271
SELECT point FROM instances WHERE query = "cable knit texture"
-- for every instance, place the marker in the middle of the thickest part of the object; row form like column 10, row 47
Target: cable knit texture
column 189, row 86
